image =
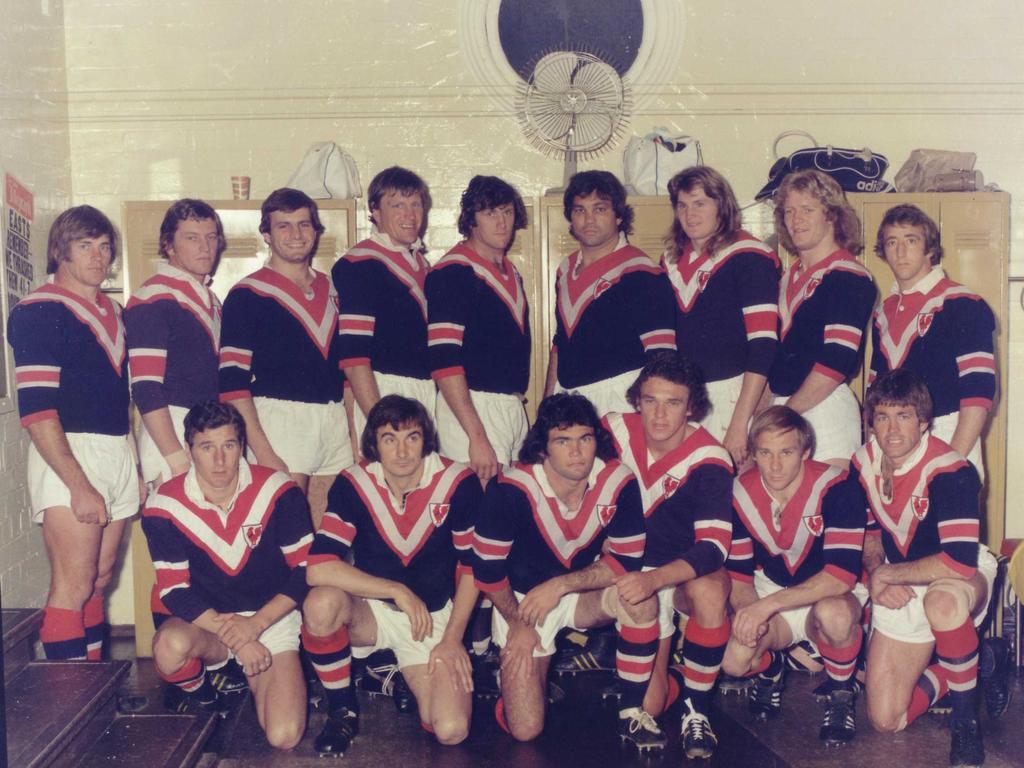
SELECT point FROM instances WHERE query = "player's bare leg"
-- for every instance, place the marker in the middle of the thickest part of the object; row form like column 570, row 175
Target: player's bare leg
column 445, row 709
column 523, row 698
column 181, row 651
column 316, row 493
column 280, row 697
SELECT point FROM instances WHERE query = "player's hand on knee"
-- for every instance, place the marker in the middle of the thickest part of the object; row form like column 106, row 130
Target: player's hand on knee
column 236, row 630
column 750, row 623
column 635, row 587
column 893, row 596
column 88, row 506
column 452, row 656
column 483, row 460
column 517, row 655
column 539, row 602
column 420, row 621
column 254, row 658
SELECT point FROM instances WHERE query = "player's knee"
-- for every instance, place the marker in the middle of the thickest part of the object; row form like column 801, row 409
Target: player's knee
column 643, row 612
column 325, row 609
column 883, row 718
column 76, row 589
column 171, row 648
column 526, row 729
column 732, row 664
column 708, row 595
column 944, row 608
column 285, row 735
column 834, row 619
column 450, row 730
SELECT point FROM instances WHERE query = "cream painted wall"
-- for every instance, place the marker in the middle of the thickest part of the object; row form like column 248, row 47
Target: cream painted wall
column 172, row 98
column 34, row 148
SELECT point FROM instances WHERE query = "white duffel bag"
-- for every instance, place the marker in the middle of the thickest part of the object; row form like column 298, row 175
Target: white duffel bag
column 327, row 171
column 650, row 161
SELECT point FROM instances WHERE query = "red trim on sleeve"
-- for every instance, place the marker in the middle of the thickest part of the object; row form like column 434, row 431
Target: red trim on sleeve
column 489, row 588
column 38, row 416
column 237, row 394
column 824, row 370
column 849, row 579
column 352, row 362
column 736, row 576
column 615, row 565
column 321, row 558
column 964, row 570
column 444, row 373
column 982, row 402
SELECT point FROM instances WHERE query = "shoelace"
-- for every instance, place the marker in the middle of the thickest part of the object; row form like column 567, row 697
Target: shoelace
column 643, row 720
column 696, row 723
column 388, row 672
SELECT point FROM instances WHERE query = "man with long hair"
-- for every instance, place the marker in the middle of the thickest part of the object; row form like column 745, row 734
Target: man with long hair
column 825, row 301
column 726, row 284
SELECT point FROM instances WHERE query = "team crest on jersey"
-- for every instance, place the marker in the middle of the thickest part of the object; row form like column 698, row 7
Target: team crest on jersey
column 812, row 286
column 815, row 524
column 669, row 484
column 924, row 322
column 601, row 287
column 703, row 277
column 253, row 534
column 605, row 513
column 438, row 513
column 920, row 506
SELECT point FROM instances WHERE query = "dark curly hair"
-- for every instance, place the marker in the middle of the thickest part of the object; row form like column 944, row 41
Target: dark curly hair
column 674, row 367
column 397, row 412
column 607, row 187
column 485, row 193
column 561, row 411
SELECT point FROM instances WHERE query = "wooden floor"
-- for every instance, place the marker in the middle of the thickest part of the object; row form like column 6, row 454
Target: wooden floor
column 580, row 733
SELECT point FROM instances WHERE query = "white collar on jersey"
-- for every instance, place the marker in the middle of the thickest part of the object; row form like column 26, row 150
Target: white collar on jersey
column 923, row 285
column 547, row 490
column 912, row 460
column 169, row 270
column 432, row 464
column 384, row 239
column 578, row 267
column 195, row 494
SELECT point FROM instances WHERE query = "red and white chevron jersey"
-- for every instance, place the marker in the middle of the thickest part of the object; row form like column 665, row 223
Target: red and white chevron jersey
column 421, row 543
column 727, row 307
column 609, row 315
column 933, row 509
column 943, row 332
column 173, row 324
column 479, row 323
column 71, row 361
column 823, row 312
column 687, row 494
column 278, row 343
column 525, row 535
column 382, row 296
column 820, row 528
column 228, row 561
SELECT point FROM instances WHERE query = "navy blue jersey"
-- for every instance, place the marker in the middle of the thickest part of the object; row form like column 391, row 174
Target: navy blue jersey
column 609, row 315
column 525, row 536
column 479, row 323
column 933, row 509
column 173, row 325
column 277, row 342
column 421, row 544
column 943, row 332
column 823, row 312
column 687, row 494
column 727, row 307
column 383, row 302
column 70, row 361
column 821, row 528
column 233, row 561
